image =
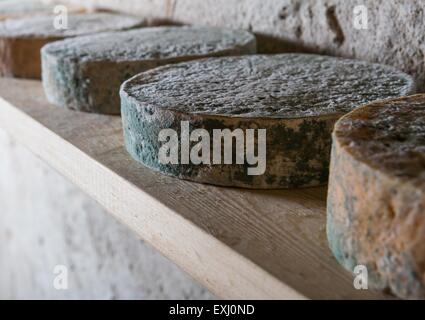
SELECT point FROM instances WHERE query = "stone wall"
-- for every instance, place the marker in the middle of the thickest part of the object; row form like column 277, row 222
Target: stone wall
column 394, row 35
column 46, row 221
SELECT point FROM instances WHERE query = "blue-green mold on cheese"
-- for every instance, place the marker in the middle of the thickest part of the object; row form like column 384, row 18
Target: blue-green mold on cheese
column 86, row 73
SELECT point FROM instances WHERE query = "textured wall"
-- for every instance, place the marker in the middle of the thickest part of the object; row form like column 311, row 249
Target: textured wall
column 395, row 33
column 46, row 221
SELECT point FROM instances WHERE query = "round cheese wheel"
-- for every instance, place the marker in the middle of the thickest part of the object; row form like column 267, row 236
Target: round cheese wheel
column 86, row 73
column 296, row 98
column 376, row 197
column 22, row 39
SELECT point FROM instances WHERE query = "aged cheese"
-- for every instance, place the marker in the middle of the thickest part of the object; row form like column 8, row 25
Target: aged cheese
column 376, row 201
column 86, row 73
column 22, row 39
column 297, row 98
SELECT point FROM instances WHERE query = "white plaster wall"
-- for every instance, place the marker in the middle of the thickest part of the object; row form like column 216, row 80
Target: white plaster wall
column 45, row 221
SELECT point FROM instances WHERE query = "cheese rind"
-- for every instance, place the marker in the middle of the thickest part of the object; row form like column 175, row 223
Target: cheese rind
column 22, row 39
column 86, row 73
column 376, row 196
column 296, row 98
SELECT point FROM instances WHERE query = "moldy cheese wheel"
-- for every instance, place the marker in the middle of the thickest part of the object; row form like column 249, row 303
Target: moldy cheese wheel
column 376, row 197
column 86, row 73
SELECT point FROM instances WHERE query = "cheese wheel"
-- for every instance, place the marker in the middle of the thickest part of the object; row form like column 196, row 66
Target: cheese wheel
column 22, row 39
column 86, row 73
column 296, row 98
column 376, row 197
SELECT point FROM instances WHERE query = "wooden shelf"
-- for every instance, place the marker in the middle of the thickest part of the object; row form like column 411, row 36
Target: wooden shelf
column 238, row 243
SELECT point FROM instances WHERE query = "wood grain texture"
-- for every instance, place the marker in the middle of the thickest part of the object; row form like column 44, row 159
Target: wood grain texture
column 238, row 243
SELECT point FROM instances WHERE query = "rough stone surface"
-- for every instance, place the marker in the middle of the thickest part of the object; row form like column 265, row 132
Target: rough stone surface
column 296, row 98
column 22, row 39
column 85, row 73
column 394, row 35
column 46, row 221
column 15, row 9
column 376, row 197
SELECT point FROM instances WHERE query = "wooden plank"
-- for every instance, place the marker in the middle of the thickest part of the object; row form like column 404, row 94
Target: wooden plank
column 238, row 243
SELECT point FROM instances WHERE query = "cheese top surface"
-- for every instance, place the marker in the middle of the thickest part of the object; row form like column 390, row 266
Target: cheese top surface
column 269, row 86
column 78, row 24
column 150, row 44
column 389, row 136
